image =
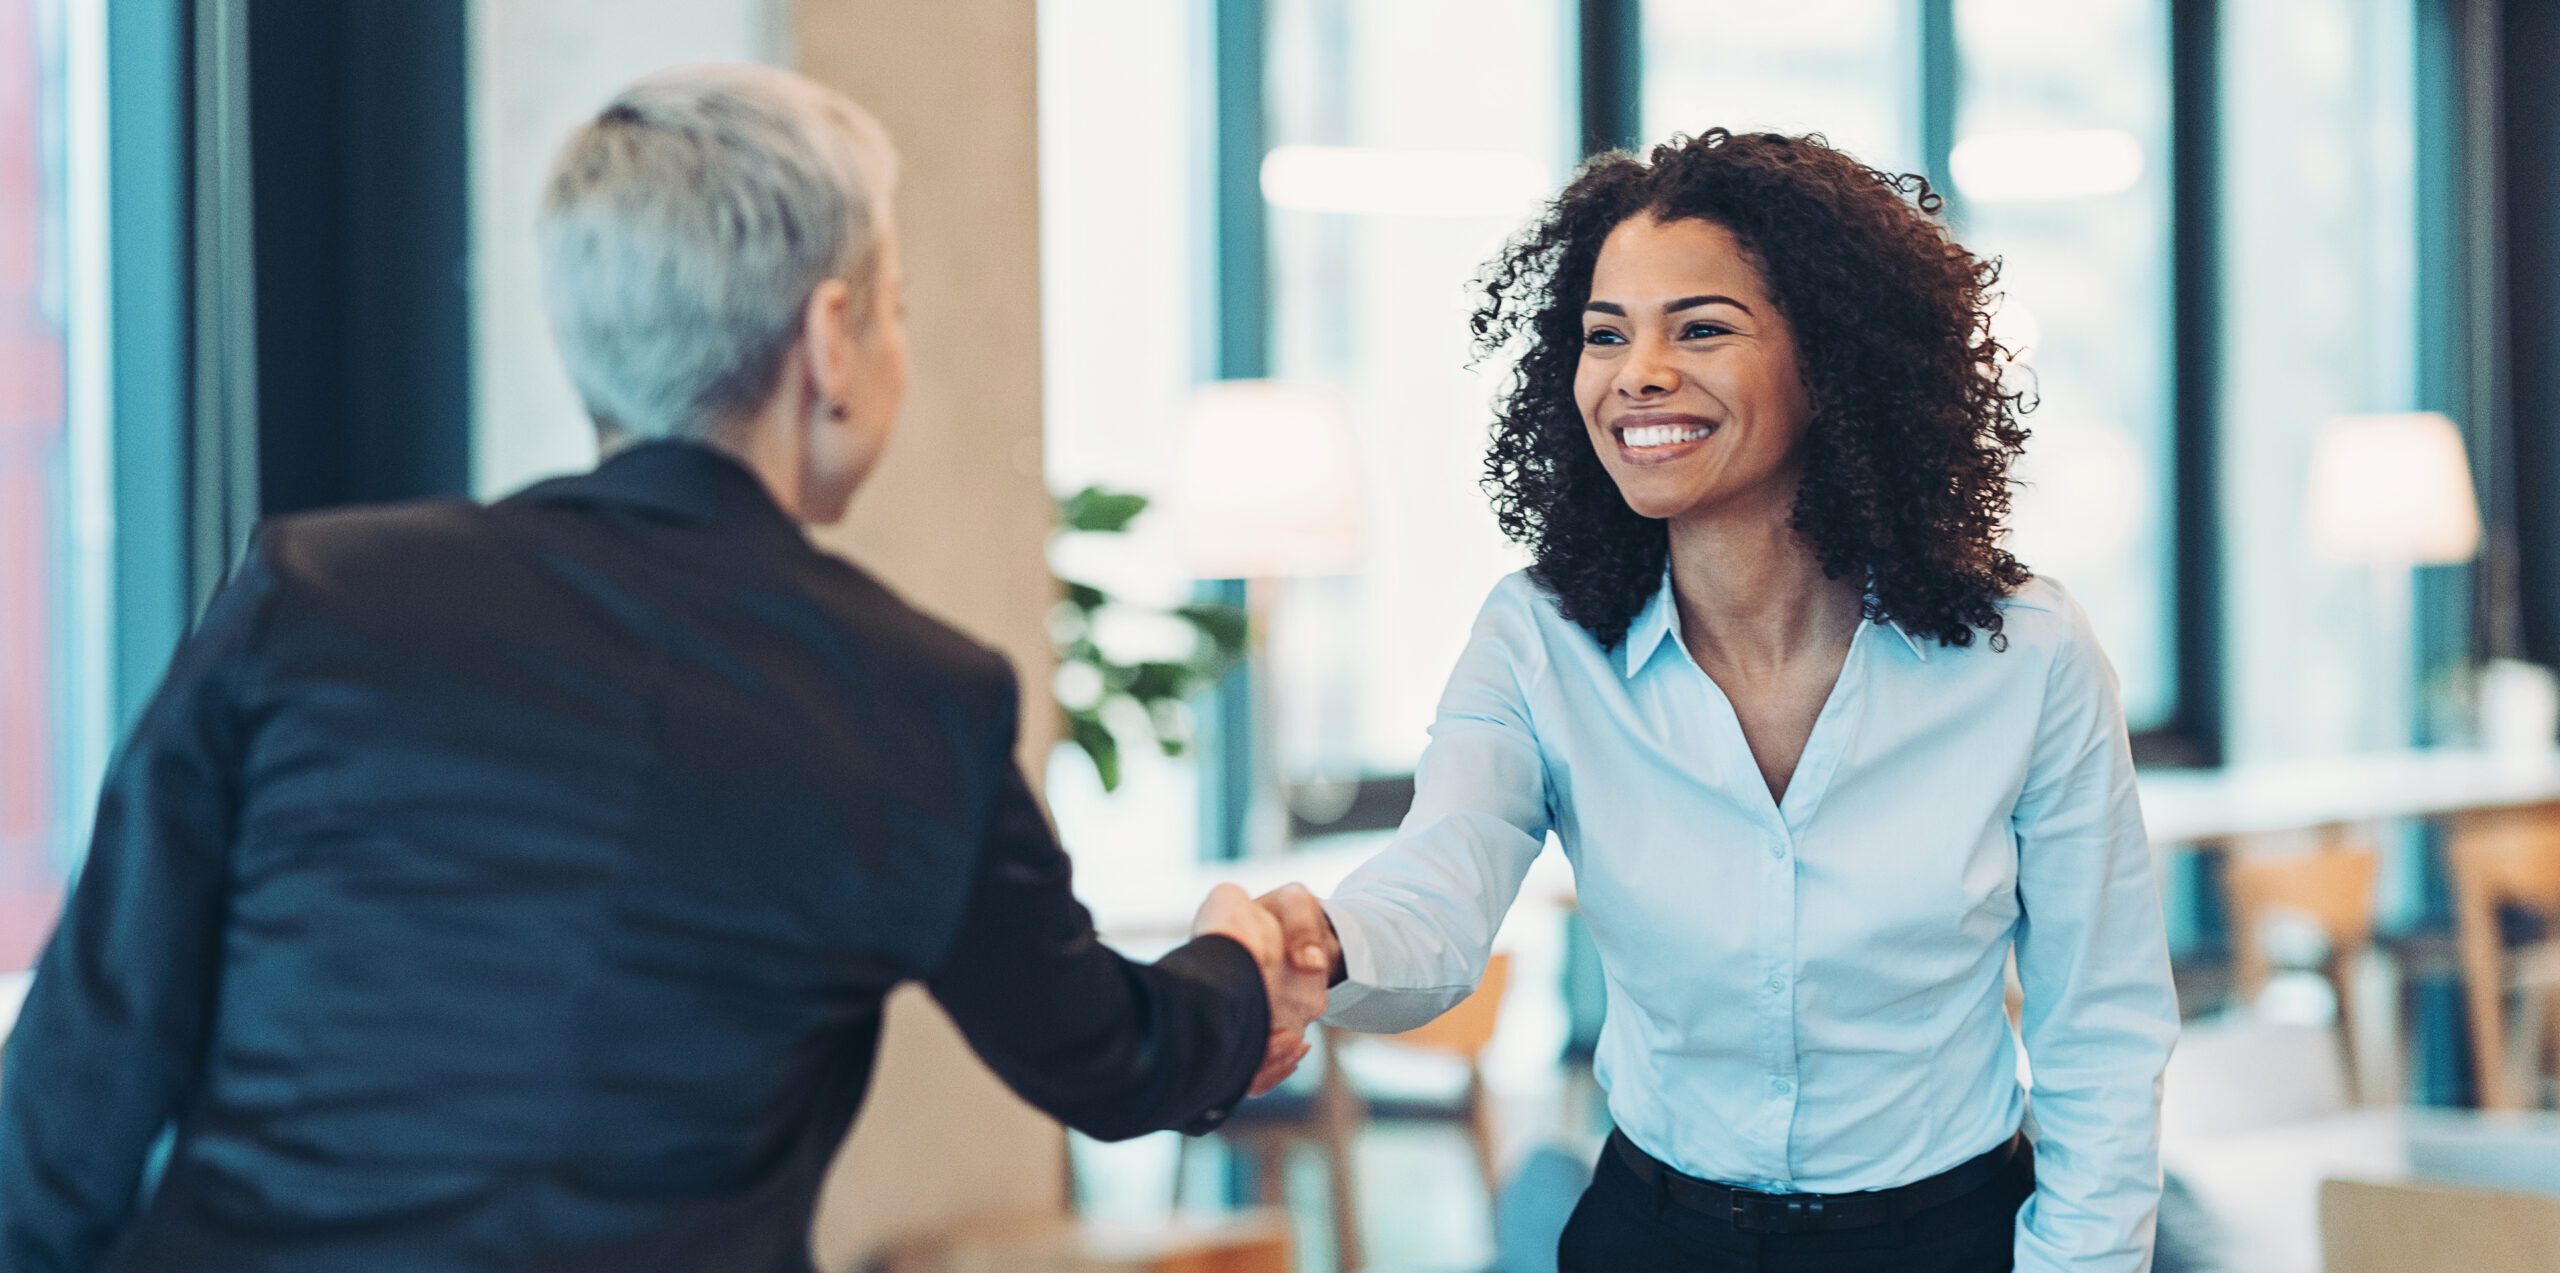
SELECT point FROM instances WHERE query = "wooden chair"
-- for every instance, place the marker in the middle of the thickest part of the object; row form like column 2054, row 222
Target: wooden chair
column 2508, row 861
column 2329, row 885
column 1332, row 1114
column 2417, row 1228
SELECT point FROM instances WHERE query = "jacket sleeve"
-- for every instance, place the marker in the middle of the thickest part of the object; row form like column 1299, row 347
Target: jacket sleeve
column 111, row 1038
column 1112, row 1048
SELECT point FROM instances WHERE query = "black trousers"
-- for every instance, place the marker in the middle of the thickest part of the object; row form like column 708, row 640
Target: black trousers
column 1623, row 1225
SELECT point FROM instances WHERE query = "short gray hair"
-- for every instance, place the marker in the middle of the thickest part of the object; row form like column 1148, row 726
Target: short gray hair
column 685, row 227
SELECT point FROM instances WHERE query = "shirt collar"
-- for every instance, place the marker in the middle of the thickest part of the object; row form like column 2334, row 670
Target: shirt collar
column 1645, row 634
column 1653, row 623
column 683, row 482
column 1919, row 648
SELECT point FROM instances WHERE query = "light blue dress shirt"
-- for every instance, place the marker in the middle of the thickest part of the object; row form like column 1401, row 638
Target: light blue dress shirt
column 1805, row 995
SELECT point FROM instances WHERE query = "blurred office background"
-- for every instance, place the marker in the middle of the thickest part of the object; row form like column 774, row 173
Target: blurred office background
column 1195, row 438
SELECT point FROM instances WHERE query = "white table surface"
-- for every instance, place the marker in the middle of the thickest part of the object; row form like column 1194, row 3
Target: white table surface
column 2188, row 806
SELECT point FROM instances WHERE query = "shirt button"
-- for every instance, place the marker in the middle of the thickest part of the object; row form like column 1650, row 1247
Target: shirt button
column 1781, row 1086
column 1777, row 984
column 1777, row 846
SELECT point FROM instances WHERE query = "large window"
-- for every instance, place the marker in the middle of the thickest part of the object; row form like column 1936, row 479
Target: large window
column 2318, row 280
column 1127, row 331
column 1370, row 295
column 1362, row 286
column 54, row 520
column 2061, row 170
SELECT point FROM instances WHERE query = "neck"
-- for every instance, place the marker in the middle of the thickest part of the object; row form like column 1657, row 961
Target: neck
column 764, row 443
column 1751, row 593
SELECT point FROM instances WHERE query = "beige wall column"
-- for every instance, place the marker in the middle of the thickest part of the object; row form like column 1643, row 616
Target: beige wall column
column 957, row 519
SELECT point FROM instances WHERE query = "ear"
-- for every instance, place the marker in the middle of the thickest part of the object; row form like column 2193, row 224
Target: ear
column 828, row 327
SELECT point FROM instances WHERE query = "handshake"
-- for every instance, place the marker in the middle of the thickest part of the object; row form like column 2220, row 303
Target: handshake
column 1293, row 941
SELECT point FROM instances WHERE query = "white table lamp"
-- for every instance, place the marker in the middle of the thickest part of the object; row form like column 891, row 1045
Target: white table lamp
column 2388, row 493
column 1266, row 482
column 2393, row 491
column 1266, row 488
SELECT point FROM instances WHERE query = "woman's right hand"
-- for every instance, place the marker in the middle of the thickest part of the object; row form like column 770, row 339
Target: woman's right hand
column 1315, row 952
column 1313, row 945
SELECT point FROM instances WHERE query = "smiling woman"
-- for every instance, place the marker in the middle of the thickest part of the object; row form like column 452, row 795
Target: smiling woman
column 1817, row 748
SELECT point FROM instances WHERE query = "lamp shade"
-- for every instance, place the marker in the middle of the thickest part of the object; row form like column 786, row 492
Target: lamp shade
column 1266, row 482
column 2393, row 490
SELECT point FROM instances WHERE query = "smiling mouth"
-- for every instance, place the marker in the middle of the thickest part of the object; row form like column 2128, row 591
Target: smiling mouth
column 1645, row 437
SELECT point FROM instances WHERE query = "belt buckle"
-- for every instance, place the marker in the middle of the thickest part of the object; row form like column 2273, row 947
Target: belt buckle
column 1754, row 1212
column 1741, row 1215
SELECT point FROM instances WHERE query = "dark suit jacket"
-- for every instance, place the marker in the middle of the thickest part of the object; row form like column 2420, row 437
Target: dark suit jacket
column 516, row 887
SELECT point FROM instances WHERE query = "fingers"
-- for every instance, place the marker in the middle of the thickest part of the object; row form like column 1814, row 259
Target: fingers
column 1313, row 946
column 1300, row 997
column 1228, row 911
column 1280, row 1059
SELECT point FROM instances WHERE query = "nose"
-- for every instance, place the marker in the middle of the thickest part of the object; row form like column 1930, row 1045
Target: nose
column 1646, row 371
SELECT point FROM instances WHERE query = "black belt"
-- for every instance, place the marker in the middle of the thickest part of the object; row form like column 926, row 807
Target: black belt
column 1812, row 1212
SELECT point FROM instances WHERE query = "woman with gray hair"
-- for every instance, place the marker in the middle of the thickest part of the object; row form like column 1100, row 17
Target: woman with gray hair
column 518, row 886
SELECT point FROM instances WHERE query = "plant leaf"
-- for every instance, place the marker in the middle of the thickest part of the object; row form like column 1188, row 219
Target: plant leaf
column 1088, row 732
column 1098, row 510
column 1225, row 626
column 1150, row 683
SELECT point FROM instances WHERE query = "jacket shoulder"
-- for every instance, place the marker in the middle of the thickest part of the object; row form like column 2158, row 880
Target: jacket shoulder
column 918, row 639
column 336, row 548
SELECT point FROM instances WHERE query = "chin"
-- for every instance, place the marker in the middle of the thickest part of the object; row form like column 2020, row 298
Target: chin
column 1648, row 499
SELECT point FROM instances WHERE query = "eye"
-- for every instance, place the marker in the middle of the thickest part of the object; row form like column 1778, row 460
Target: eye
column 1602, row 336
column 1702, row 329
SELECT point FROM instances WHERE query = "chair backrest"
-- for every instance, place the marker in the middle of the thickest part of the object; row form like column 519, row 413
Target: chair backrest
column 1465, row 1029
column 2501, row 860
column 2331, row 884
column 2510, row 858
column 2412, row 1228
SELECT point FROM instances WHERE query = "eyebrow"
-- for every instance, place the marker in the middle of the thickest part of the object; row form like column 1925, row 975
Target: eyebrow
column 1685, row 302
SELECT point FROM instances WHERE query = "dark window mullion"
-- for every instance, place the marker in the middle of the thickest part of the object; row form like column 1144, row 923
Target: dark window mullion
column 1610, row 55
column 1941, row 81
column 1240, row 36
column 2194, row 734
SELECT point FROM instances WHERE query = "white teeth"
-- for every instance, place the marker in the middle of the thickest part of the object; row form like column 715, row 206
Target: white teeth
column 1662, row 434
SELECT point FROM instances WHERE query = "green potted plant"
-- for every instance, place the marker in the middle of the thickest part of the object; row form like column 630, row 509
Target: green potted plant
column 1097, row 680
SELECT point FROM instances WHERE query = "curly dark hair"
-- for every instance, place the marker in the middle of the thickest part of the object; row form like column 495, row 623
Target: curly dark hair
column 1906, row 459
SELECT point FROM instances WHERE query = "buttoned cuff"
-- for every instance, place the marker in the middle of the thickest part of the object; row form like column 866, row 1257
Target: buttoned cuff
column 1359, row 965
column 1216, row 959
